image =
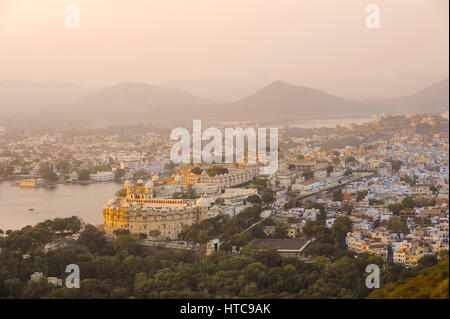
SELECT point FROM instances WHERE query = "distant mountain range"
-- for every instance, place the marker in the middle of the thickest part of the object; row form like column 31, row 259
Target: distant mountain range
column 283, row 100
column 433, row 98
column 130, row 102
column 131, row 99
column 220, row 90
column 378, row 87
column 280, row 100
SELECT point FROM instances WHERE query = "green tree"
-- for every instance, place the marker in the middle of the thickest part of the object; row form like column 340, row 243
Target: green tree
column 338, row 196
column 254, row 199
column 341, row 226
column 426, row 261
column 280, row 231
column 13, row 288
column 196, row 170
column 119, row 173
column 127, row 244
column 408, row 179
column 217, row 170
column 395, row 208
column 268, row 195
column 63, row 166
column 361, row 195
column 259, row 183
column 396, row 164
column 92, row 238
column 190, row 192
column 258, row 231
column 347, row 207
column 350, row 159
column 37, row 289
column 119, row 232
column 313, row 228
column 434, row 189
column 70, row 224
column 408, row 202
column 329, row 170
column 308, row 174
column 219, row 201
column 155, row 233
column 121, row 193
column 374, row 201
column 83, row 175
column 47, row 173
column 396, row 225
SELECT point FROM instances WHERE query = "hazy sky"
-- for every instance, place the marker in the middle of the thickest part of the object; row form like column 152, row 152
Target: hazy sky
column 299, row 41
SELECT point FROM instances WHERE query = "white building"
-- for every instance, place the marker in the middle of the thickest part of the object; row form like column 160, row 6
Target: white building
column 102, row 176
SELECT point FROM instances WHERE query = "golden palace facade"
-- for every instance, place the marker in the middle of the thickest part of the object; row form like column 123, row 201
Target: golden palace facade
column 235, row 176
column 140, row 213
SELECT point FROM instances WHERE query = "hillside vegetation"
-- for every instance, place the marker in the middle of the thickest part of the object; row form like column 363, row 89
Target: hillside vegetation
column 431, row 282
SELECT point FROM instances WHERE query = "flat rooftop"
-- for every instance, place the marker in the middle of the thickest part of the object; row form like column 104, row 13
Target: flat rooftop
column 280, row 244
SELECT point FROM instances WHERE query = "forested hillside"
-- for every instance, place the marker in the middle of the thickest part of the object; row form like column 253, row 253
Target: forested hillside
column 431, row 282
column 121, row 268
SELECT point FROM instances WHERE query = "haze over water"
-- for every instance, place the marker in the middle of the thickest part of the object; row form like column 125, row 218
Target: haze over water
column 85, row 201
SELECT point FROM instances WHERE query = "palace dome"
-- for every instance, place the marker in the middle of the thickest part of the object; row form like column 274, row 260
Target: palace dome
column 203, row 202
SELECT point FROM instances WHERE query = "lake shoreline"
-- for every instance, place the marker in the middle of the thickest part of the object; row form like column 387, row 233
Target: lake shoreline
column 63, row 200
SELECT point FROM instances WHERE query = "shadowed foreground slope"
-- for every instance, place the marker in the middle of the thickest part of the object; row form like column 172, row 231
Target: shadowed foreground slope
column 431, row 282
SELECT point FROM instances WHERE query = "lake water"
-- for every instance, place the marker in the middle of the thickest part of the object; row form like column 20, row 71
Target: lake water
column 332, row 123
column 85, row 201
column 64, row 200
column 329, row 123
